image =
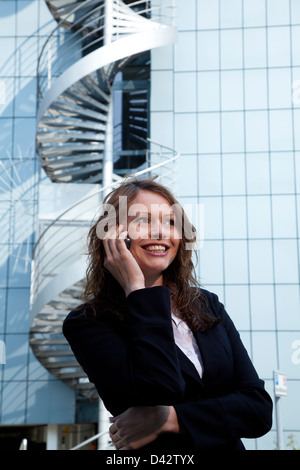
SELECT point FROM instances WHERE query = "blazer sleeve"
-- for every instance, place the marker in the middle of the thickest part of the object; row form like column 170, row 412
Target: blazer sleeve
column 141, row 364
column 244, row 412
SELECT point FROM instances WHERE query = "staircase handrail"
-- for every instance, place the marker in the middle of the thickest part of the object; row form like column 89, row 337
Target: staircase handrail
column 100, row 29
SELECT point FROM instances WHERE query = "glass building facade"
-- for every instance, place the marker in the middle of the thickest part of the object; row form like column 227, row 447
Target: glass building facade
column 227, row 97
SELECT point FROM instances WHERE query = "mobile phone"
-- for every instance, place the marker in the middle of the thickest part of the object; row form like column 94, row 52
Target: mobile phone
column 127, row 241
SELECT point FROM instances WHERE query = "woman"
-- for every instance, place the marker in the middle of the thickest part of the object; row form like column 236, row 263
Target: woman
column 163, row 354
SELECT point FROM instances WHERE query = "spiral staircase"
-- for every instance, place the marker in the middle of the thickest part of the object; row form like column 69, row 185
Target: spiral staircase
column 97, row 47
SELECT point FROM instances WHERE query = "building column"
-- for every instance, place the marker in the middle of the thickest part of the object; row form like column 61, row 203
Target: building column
column 103, row 425
column 108, row 153
column 52, row 437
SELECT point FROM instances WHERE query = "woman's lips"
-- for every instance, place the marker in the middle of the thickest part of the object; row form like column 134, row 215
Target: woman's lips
column 156, row 249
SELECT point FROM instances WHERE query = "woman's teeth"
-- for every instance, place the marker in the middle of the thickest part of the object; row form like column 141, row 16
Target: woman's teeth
column 156, row 248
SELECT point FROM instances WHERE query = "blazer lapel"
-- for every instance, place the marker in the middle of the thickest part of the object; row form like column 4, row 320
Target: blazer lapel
column 217, row 361
column 188, row 367
column 216, row 356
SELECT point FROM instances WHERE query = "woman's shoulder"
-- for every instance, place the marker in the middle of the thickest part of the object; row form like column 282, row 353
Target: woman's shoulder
column 216, row 307
column 82, row 313
column 210, row 296
column 88, row 314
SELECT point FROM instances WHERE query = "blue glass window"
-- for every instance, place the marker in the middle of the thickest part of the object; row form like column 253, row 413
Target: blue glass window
column 208, row 91
column 287, row 300
column 260, row 261
column 184, row 61
column 237, row 296
column 233, row 132
column 236, row 264
column 282, row 173
column 254, row 13
column 281, row 130
column 257, row 131
column 285, row 261
column 278, row 12
column 258, row 173
column 256, row 89
column 264, row 345
column 186, row 142
column 284, row 216
column 185, row 102
column 208, row 50
column 161, row 90
column 231, row 14
column 296, row 45
column 208, row 132
column 231, row 49
column 280, row 90
column 259, row 217
column 209, row 175
column 255, row 52
column 233, row 174
column 211, row 263
column 279, row 46
column 262, row 307
column 232, row 90
column 208, row 14
column 234, row 217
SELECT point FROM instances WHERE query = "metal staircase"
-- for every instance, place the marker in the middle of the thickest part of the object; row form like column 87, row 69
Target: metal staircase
column 77, row 141
column 96, row 40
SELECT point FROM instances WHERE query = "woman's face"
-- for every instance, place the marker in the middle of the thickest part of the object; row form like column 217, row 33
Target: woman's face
column 154, row 237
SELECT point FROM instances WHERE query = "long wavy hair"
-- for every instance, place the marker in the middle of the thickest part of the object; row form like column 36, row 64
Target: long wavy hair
column 103, row 293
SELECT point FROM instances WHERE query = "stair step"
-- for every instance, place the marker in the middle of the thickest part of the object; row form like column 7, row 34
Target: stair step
column 72, row 161
column 85, row 386
column 54, row 364
column 62, row 10
column 60, row 137
column 54, row 353
column 89, row 84
column 76, row 175
column 53, row 341
column 67, row 109
column 77, row 98
column 59, row 150
column 70, row 375
column 95, row 179
column 73, row 124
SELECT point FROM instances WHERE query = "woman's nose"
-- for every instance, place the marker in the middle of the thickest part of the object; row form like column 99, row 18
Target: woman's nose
column 158, row 230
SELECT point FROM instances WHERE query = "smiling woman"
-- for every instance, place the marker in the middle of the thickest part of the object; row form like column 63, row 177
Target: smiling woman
column 162, row 352
column 149, row 215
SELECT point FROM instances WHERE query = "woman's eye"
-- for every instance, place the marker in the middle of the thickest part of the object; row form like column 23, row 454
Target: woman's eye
column 142, row 220
column 169, row 222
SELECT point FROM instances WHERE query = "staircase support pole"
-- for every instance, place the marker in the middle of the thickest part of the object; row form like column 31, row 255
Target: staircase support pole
column 108, row 153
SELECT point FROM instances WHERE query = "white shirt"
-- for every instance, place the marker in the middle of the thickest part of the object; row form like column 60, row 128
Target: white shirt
column 186, row 341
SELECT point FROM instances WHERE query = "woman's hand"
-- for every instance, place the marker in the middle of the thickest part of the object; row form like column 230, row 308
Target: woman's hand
column 120, row 262
column 140, row 425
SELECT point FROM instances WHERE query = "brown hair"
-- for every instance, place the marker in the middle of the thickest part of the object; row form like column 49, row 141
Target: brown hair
column 104, row 293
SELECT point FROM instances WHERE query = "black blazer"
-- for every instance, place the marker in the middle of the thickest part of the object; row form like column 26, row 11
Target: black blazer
column 136, row 362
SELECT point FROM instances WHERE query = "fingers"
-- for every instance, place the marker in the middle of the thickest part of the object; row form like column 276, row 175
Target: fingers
column 112, row 240
column 120, row 262
column 116, row 438
column 112, row 246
